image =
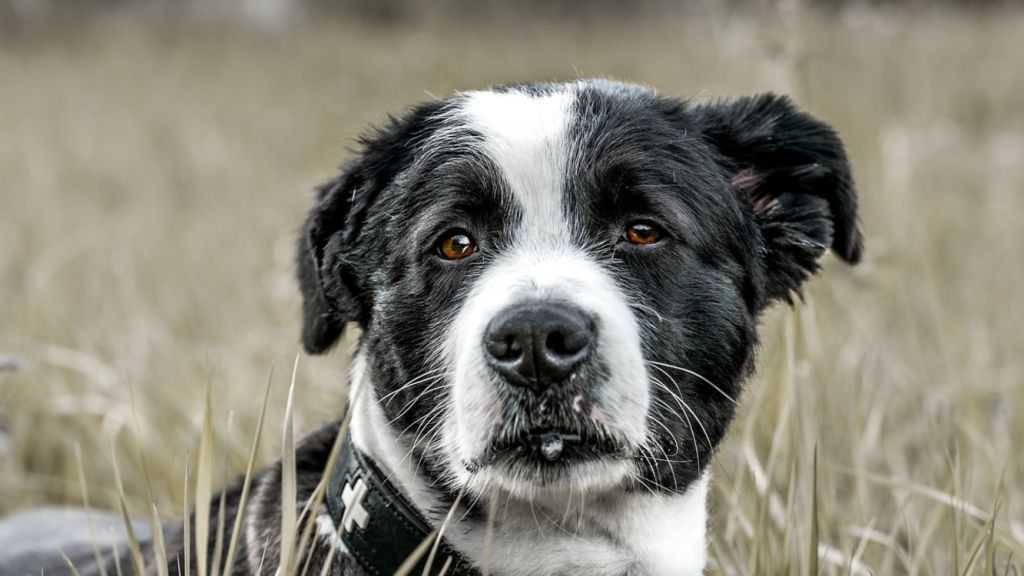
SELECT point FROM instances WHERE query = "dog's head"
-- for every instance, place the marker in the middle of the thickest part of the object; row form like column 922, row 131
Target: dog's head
column 558, row 285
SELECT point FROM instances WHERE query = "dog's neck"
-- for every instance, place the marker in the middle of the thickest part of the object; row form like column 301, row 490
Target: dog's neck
column 624, row 533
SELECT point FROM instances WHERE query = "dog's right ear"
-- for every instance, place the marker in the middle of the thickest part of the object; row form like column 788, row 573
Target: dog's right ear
column 331, row 294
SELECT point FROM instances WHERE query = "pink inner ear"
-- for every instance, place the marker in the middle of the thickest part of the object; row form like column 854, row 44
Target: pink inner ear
column 749, row 180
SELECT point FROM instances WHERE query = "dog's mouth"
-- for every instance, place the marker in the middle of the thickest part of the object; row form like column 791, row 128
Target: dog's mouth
column 549, row 449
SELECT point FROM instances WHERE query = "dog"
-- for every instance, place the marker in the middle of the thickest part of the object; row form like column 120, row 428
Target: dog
column 557, row 288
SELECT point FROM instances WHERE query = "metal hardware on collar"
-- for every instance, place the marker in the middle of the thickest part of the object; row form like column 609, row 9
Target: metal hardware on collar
column 377, row 524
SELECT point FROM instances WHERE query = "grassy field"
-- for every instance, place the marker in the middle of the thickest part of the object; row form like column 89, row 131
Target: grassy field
column 152, row 175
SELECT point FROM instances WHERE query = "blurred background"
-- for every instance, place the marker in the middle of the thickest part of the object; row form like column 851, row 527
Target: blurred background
column 156, row 159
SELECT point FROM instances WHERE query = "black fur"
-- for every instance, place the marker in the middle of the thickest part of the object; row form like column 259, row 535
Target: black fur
column 330, row 280
column 795, row 171
column 753, row 191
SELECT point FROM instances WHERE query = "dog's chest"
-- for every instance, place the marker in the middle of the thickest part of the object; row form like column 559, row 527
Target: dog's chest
column 646, row 535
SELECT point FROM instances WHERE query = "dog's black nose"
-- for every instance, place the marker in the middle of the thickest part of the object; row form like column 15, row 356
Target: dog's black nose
column 538, row 344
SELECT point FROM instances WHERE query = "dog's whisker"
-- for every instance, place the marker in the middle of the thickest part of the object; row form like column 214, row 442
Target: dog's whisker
column 422, row 424
column 686, row 407
column 668, row 459
column 422, row 378
column 420, row 421
column 412, row 403
column 689, row 424
column 637, row 479
column 533, row 510
column 633, row 303
column 695, row 375
column 660, row 422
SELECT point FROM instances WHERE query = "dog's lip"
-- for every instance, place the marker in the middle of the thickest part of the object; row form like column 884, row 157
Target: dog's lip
column 536, row 435
column 578, row 444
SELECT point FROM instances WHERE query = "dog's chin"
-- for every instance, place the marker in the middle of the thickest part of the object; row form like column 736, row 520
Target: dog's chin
column 552, row 462
column 532, row 480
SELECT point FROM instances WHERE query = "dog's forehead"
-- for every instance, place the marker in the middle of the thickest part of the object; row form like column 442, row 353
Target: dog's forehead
column 525, row 134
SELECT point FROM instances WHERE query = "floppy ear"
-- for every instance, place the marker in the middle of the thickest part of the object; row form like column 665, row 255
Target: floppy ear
column 793, row 171
column 331, row 295
column 329, row 258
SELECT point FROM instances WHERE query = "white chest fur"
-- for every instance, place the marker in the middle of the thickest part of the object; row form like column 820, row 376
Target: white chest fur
column 630, row 534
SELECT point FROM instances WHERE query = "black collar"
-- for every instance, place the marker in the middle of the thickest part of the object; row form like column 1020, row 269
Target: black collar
column 382, row 528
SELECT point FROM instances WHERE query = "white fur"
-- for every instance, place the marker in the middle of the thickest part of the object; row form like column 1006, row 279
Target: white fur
column 526, row 137
column 328, row 532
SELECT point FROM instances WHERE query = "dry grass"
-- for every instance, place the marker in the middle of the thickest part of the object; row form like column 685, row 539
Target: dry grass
column 152, row 176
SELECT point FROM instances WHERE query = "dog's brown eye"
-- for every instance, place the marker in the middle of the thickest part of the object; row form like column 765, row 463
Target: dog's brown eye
column 456, row 246
column 642, row 233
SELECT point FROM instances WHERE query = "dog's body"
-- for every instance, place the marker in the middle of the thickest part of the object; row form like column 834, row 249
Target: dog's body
column 558, row 288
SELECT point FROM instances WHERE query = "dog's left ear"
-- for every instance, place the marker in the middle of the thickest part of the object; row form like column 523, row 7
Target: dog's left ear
column 793, row 170
column 331, row 296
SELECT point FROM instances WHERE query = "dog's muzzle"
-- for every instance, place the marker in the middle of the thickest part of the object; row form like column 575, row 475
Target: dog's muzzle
column 549, row 388
column 544, row 352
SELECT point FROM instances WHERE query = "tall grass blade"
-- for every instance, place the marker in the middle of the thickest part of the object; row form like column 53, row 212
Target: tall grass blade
column 117, row 555
column 88, row 511
column 218, row 539
column 71, row 565
column 309, row 517
column 788, row 530
column 990, row 548
column 990, row 558
column 250, row 468
column 187, row 519
column 944, row 498
column 313, row 509
column 134, row 551
column 159, row 547
column 204, row 485
column 440, row 533
column 325, row 570
column 263, row 555
column 814, row 515
column 410, row 562
column 289, row 493
column 1009, row 540
column 492, row 514
column 955, row 522
column 154, row 518
column 986, row 535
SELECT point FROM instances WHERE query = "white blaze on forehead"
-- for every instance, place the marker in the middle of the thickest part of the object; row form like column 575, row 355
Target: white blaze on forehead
column 526, row 136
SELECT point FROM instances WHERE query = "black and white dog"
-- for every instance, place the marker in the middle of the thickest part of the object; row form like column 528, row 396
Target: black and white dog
column 558, row 287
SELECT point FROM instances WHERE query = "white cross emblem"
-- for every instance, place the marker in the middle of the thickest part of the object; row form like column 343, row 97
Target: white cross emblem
column 352, row 498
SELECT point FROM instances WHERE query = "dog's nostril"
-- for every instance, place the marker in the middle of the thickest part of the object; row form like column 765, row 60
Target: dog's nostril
column 509, row 349
column 504, row 347
column 555, row 343
column 560, row 344
column 513, row 347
